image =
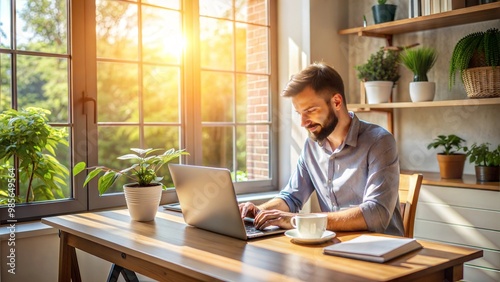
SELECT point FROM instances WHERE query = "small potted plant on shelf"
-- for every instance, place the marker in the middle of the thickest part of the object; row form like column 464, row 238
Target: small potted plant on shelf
column 487, row 163
column 477, row 58
column 383, row 12
column 26, row 135
column 451, row 162
column 144, row 193
column 379, row 75
column 420, row 61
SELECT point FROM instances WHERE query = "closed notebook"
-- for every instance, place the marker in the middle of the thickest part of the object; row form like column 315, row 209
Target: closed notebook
column 373, row 248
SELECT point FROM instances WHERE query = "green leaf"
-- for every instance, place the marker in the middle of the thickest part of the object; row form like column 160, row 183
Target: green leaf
column 129, row 157
column 91, row 175
column 106, row 181
column 79, row 167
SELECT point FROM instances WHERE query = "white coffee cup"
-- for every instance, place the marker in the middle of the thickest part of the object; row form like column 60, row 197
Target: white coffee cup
column 310, row 226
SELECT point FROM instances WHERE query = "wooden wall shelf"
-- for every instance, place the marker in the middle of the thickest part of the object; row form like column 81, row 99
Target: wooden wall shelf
column 406, row 105
column 474, row 14
column 467, row 181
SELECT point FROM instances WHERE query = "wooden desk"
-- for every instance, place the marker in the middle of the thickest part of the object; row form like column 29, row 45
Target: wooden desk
column 169, row 250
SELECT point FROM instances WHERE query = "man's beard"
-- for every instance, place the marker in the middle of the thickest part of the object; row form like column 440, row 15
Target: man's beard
column 326, row 128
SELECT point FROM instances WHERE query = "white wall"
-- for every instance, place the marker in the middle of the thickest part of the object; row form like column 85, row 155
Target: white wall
column 307, row 33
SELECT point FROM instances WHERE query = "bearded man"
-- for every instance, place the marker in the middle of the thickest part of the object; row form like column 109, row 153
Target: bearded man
column 352, row 165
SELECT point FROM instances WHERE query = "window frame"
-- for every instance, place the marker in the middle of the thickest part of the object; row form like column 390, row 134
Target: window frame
column 82, row 113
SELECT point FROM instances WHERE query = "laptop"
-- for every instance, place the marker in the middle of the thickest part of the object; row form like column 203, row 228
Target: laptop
column 208, row 201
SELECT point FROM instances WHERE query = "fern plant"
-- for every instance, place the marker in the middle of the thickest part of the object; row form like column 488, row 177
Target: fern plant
column 478, row 49
column 419, row 61
column 381, row 66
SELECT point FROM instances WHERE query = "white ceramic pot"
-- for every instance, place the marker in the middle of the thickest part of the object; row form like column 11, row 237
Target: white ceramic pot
column 378, row 91
column 422, row 91
column 142, row 202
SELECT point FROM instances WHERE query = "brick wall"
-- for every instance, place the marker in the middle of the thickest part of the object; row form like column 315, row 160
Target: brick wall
column 257, row 136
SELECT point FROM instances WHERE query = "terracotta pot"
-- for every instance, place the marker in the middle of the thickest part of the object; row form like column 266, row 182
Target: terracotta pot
column 488, row 173
column 451, row 166
column 142, row 202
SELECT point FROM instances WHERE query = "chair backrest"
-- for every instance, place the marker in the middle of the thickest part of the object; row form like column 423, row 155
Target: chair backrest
column 409, row 189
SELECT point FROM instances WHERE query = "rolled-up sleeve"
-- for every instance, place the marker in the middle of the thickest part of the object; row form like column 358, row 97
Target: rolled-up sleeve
column 291, row 194
column 381, row 190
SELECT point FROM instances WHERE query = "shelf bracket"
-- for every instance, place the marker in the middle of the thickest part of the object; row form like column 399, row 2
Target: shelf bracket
column 388, row 37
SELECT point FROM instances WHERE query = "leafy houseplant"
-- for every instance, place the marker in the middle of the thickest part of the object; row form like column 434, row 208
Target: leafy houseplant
column 383, row 12
column 379, row 72
column 146, row 184
column 420, row 61
column 487, row 163
column 477, row 57
column 25, row 135
column 451, row 162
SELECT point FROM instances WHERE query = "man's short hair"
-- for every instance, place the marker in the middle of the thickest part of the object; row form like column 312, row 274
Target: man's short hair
column 322, row 78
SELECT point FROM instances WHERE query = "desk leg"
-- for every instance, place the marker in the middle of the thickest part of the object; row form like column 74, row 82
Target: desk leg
column 68, row 263
column 454, row 273
column 115, row 271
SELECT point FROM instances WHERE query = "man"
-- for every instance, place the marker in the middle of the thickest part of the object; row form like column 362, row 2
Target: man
column 352, row 165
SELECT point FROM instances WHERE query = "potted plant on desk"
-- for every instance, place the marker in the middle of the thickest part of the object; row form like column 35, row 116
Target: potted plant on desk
column 379, row 75
column 144, row 194
column 451, row 163
column 420, row 61
column 487, row 163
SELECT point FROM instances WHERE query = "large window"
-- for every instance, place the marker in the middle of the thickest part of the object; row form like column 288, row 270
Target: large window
column 120, row 74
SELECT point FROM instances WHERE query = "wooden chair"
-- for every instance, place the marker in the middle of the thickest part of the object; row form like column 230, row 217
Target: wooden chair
column 409, row 189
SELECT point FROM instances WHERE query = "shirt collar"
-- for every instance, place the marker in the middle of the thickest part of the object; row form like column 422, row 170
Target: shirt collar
column 352, row 135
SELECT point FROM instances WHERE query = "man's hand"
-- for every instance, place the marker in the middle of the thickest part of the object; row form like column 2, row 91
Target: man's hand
column 248, row 209
column 279, row 218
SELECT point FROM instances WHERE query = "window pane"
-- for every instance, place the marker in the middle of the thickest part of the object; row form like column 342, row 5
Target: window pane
column 5, row 19
column 253, row 152
column 115, row 141
column 117, row 30
column 217, row 97
column 216, row 44
column 252, row 54
column 218, row 147
column 161, row 93
column 252, row 98
column 5, row 82
column 252, row 11
column 42, row 26
column 42, row 191
column 163, row 138
column 161, row 35
column 43, row 82
column 217, row 8
column 117, row 88
column 172, row 4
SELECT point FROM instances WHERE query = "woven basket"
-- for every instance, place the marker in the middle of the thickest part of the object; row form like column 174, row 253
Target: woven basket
column 483, row 82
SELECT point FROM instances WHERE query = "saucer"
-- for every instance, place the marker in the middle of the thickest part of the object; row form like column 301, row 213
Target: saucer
column 294, row 234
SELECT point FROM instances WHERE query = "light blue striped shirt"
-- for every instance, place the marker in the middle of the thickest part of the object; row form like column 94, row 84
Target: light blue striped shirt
column 363, row 171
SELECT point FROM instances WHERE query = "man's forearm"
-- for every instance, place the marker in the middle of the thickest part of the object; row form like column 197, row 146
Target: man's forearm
column 275, row 204
column 347, row 220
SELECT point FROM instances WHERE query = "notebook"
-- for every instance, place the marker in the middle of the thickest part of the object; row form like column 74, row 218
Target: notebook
column 208, row 201
column 373, row 248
